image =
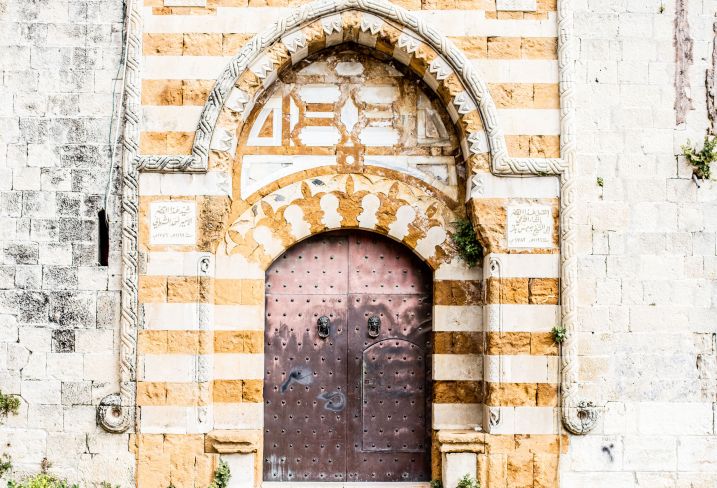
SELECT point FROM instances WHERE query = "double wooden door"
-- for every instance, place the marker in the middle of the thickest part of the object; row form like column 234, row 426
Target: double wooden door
column 347, row 362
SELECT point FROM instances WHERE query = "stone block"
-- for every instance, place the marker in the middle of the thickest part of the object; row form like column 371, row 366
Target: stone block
column 76, row 393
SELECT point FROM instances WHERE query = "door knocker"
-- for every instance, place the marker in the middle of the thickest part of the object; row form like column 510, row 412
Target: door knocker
column 374, row 326
column 323, row 326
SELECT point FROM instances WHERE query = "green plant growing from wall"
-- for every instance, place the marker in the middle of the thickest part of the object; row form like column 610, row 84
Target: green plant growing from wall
column 9, row 404
column 703, row 158
column 221, row 476
column 469, row 249
column 559, row 334
column 42, row 480
column 436, row 484
column 600, row 182
column 5, row 464
column 468, row 482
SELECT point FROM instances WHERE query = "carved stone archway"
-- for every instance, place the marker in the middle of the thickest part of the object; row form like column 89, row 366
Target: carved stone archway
column 412, row 39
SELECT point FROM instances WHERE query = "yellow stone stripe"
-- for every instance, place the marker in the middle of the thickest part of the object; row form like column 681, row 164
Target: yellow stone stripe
column 193, row 44
column 223, row 44
column 190, row 289
column 177, row 394
column 536, row 291
column 457, row 391
column 175, row 341
column 514, row 343
column 195, row 92
column 457, row 342
column 246, row 341
column 488, row 5
column 450, row 292
column 532, row 146
column 172, row 142
column 521, row 395
column 235, row 391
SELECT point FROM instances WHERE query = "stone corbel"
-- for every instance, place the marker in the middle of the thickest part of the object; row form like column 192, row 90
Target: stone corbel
column 459, row 454
column 233, row 441
column 456, row 441
column 581, row 418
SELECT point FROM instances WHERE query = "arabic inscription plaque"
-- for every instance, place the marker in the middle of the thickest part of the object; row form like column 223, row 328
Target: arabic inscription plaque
column 530, row 226
column 173, row 222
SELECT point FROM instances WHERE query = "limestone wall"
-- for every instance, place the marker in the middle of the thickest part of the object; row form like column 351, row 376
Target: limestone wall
column 646, row 241
column 59, row 310
column 647, row 275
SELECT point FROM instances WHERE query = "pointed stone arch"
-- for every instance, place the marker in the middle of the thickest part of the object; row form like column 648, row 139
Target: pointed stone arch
column 377, row 24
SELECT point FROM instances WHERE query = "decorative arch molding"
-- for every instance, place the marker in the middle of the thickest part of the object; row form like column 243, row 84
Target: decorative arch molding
column 280, row 219
column 116, row 413
column 377, row 24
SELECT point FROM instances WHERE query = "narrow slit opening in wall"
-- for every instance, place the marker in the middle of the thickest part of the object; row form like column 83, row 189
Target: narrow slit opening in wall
column 103, row 238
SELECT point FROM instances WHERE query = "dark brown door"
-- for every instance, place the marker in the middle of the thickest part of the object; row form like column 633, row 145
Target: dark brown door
column 348, row 321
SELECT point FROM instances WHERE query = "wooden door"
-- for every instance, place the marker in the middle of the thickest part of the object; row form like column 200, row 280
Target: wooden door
column 347, row 362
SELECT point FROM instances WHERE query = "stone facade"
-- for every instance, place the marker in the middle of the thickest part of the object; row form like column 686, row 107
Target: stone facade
column 399, row 120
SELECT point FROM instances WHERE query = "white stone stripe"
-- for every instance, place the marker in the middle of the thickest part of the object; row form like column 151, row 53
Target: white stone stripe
column 218, row 183
column 457, row 367
column 523, row 265
column 184, row 368
column 172, row 368
column 518, row 70
column 185, row 118
column 235, row 266
column 176, row 316
column 238, row 366
column 527, row 121
column 521, row 318
column 457, row 318
column 457, row 270
column 247, row 19
column 521, row 369
column 174, row 263
column 175, row 420
column 182, row 118
column 492, row 186
column 185, row 316
column 457, row 415
column 231, row 416
column 239, row 317
column 210, row 67
column 524, row 420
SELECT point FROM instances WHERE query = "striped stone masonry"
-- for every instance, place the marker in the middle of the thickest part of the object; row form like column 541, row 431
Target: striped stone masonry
column 316, row 136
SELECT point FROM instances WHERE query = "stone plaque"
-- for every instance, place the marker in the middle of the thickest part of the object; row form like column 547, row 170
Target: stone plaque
column 530, row 226
column 517, row 5
column 173, row 222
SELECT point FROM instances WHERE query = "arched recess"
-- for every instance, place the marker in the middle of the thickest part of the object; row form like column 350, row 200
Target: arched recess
column 261, row 230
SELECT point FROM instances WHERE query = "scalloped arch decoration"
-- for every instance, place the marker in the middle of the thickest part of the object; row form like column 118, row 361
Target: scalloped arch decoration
column 377, row 24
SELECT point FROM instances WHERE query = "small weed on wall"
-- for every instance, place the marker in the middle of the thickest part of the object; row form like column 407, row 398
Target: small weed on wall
column 9, row 404
column 701, row 159
column 469, row 249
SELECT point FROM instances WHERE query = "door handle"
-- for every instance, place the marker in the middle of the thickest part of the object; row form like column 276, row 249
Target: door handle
column 323, row 326
column 374, row 326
